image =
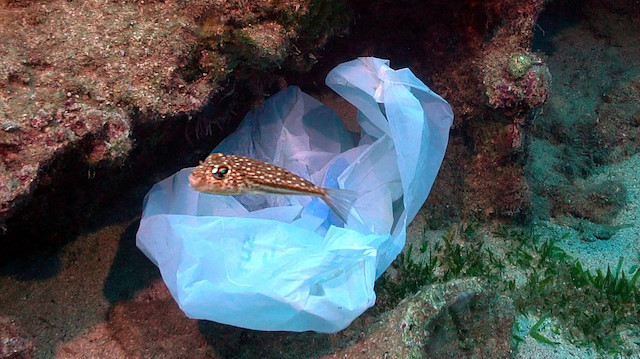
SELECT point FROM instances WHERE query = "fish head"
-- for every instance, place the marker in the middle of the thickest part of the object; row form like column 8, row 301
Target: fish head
column 218, row 175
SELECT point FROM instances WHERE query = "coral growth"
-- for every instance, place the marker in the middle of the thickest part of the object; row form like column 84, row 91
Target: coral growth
column 522, row 82
column 519, row 65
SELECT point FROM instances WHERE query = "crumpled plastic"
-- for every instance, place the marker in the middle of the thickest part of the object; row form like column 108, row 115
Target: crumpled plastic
column 289, row 263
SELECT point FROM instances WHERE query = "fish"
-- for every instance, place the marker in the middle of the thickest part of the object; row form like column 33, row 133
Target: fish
column 223, row 174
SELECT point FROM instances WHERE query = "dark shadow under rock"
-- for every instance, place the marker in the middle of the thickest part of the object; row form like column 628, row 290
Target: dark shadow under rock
column 131, row 271
column 43, row 264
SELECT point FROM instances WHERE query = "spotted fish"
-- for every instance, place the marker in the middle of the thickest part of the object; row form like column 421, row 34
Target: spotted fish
column 233, row 175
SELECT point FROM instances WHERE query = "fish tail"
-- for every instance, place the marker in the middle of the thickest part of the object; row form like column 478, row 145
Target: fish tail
column 340, row 201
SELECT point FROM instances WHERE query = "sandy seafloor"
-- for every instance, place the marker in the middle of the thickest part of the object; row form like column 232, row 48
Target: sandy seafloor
column 588, row 59
column 65, row 297
column 592, row 255
column 626, row 242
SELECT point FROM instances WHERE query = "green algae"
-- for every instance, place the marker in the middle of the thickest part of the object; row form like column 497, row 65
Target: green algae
column 519, row 65
column 535, row 273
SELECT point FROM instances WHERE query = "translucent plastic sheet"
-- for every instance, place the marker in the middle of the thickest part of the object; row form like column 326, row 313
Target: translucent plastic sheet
column 288, row 262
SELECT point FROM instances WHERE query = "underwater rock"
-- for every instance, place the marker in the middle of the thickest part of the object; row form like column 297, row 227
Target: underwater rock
column 14, row 342
column 525, row 87
column 591, row 231
column 458, row 319
column 70, row 73
column 268, row 43
column 516, row 81
column 474, row 324
column 76, row 79
column 498, row 189
column 95, row 78
column 597, row 202
column 81, row 78
column 505, row 83
column 618, row 125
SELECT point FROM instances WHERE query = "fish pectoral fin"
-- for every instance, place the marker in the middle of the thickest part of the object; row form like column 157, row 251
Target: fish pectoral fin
column 284, row 191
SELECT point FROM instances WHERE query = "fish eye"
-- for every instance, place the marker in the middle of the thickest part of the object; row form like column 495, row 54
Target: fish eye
column 220, row 172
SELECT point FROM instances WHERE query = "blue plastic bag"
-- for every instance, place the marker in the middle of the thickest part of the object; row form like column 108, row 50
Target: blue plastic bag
column 287, row 262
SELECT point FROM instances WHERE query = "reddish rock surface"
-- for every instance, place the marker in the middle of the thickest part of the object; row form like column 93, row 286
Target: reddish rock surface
column 14, row 342
column 72, row 72
column 81, row 76
column 465, row 51
column 453, row 320
column 85, row 82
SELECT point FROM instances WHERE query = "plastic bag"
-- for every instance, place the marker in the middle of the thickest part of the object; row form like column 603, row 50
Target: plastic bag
column 287, row 262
